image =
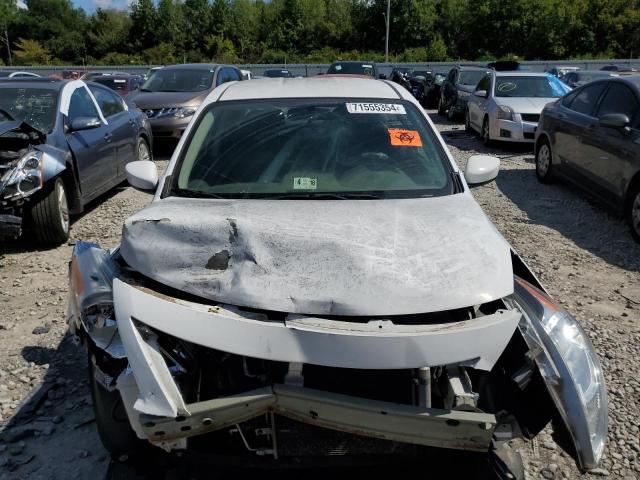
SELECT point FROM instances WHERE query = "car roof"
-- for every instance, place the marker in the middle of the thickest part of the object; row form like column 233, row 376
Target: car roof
column 34, row 82
column 195, row 66
column 118, row 75
column 519, row 73
column 357, row 62
column 631, row 80
column 471, row 67
column 323, row 86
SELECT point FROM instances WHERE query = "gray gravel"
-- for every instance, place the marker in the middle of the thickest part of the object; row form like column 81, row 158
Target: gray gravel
column 583, row 255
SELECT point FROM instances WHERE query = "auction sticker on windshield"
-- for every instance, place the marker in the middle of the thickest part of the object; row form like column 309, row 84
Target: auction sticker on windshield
column 376, row 108
column 404, row 138
column 304, row 183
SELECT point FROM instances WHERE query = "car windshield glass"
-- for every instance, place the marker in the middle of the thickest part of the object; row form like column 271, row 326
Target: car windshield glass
column 546, row 86
column 35, row 106
column 277, row 73
column 118, row 84
column 309, row 148
column 178, row 80
column 352, row 69
column 471, row 77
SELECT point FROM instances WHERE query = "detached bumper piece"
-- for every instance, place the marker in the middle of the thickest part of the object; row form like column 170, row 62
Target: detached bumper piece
column 389, row 421
column 10, row 226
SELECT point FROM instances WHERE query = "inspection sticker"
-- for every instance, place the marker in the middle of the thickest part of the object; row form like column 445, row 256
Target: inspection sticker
column 391, row 108
column 304, row 183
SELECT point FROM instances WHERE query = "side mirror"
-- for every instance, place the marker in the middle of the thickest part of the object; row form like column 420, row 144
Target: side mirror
column 480, row 93
column 84, row 123
column 481, row 169
column 382, row 76
column 614, row 120
column 142, row 174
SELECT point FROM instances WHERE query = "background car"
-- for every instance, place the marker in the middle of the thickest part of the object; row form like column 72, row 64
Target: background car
column 89, row 76
column 171, row 95
column 506, row 106
column 62, row 144
column 123, row 84
column 343, row 67
column 580, row 77
column 456, row 88
column 277, row 73
column 17, row 74
column 591, row 137
column 561, row 70
column 619, row 67
column 433, row 84
column 71, row 74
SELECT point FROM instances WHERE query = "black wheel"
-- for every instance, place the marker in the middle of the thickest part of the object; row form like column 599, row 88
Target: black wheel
column 441, row 110
column 50, row 215
column 143, row 150
column 633, row 211
column 486, row 136
column 544, row 165
column 114, row 429
column 467, row 122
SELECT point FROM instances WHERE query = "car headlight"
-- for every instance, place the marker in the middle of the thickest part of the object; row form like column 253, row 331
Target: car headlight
column 182, row 112
column 505, row 113
column 25, row 178
column 463, row 94
column 570, row 369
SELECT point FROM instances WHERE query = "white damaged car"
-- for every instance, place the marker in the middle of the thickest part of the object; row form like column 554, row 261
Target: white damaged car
column 312, row 258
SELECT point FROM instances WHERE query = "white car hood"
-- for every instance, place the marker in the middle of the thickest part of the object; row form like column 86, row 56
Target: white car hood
column 525, row 104
column 324, row 257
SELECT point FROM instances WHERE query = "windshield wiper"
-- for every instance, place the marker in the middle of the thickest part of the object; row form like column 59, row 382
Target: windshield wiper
column 185, row 192
column 326, row 196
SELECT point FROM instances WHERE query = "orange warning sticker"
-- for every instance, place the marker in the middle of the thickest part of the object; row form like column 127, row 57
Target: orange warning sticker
column 404, row 138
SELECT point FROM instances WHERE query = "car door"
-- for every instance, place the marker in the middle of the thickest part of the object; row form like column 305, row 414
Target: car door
column 92, row 148
column 449, row 88
column 576, row 117
column 121, row 126
column 610, row 153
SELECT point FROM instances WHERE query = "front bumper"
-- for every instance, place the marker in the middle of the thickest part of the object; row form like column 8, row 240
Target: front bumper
column 384, row 420
column 169, row 126
column 515, row 130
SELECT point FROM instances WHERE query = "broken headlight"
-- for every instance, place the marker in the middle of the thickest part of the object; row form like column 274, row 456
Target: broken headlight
column 26, row 177
column 570, row 368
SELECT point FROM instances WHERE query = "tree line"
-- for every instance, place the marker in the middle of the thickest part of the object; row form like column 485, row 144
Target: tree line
column 52, row 32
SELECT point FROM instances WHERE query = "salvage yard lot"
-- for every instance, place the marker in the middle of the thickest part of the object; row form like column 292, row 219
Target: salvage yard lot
column 582, row 254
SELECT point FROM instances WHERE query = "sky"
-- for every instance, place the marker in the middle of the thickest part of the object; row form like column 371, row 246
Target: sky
column 91, row 5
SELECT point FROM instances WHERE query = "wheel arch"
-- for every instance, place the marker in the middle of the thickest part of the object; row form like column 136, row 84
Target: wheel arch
column 635, row 180
column 544, row 136
column 147, row 138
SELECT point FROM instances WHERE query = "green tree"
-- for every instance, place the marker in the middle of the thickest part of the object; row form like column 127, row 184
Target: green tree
column 106, row 30
column 8, row 12
column 197, row 18
column 144, row 22
column 31, row 52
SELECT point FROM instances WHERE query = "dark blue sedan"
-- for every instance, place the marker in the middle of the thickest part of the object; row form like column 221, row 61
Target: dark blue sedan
column 62, row 144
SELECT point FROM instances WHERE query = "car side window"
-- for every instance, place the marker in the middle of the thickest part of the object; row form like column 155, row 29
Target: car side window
column 109, row 102
column 585, row 100
column 81, row 104
column 618, row 99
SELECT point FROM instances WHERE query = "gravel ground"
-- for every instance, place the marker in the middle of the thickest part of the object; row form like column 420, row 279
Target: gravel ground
column 582, row 254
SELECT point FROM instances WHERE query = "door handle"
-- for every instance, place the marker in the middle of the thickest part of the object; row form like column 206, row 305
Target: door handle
column 107, row 136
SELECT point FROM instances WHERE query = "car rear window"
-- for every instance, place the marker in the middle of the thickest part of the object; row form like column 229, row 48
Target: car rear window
column 263, row 149
column 117, row 84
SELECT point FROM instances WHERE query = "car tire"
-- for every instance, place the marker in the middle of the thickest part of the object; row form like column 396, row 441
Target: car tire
column 50, row 215
column 143, row 152
column 486, row 136
column 633, row 211
column 112, row 422
column 441, row 110
column 544, row 165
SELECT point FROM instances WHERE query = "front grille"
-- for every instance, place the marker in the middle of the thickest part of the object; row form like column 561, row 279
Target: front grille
column 531, row 117
column 159, row 112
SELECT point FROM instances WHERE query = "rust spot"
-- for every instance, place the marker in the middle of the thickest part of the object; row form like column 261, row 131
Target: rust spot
column 219, row 261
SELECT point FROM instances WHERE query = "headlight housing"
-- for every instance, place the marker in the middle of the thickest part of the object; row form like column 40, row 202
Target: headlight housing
column 570, row 369
column 505, row 113
column 182, row 112
column 25, row 178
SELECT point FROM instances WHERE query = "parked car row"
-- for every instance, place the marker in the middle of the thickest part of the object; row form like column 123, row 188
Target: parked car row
column 65, row 142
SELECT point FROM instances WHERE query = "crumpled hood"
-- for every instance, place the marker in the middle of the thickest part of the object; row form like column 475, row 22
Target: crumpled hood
column 525, row 104
column 338, row 257
column 19, row 126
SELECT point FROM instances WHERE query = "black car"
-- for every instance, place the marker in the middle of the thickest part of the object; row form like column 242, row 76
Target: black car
column 122, row 84
column 591, row 137
column 620, row 67
column 277, row 73
column 62, row 144
column 398, row 74
column 368, row 69
column 456, row 88
column 580, row 77
column 432, row 83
